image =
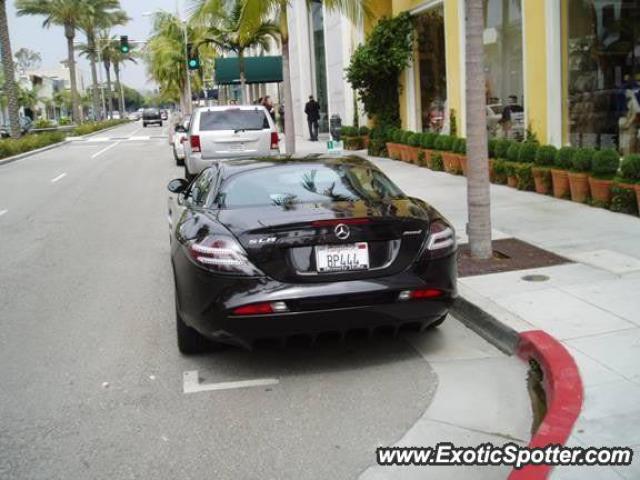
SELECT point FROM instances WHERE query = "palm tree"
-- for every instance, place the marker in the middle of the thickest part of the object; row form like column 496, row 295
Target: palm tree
column 101, row 14
column 224, row 31
column 478, row 193
column 10, row 87
column 118, row 58
column 166, row 58
column 27, row 59
column 68, row 14
column 108, row 46
column 253, row 13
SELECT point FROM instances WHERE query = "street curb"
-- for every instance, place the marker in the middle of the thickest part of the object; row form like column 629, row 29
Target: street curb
column 561, row 378
column 563, row 389
column 30, row 153
column 486, row 325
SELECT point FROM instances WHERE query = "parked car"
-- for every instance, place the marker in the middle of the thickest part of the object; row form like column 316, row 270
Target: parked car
column 151, row 115
column 26, row 124
column 180, row 138
column 115, row 115
column 226, row 132
column 134, row 116
column 280, row 247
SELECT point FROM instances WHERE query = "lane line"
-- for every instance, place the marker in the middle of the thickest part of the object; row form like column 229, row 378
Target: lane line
column 191, row 383
column 97, row 154
column 2, row 212
column 58, row 178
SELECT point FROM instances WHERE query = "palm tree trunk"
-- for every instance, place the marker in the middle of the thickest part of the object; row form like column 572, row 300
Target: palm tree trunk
column 10, row 87
column 478, row 192
column 243, row 80
column 95, row 94
column 289, row 124
column 107, row 68
column 70, row 33
column 116, row 70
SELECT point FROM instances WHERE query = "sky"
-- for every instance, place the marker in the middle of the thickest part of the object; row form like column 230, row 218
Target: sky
column 28, row 32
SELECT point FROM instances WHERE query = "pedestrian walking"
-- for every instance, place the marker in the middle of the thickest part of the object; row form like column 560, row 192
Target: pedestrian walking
column 312, row 109
column 268, row 104
column 281, row 116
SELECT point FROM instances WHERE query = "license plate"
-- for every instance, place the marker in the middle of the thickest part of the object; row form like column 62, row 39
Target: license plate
column 342, row 258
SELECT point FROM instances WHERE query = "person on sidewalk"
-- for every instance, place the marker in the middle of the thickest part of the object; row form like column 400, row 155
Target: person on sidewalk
column 312, row 109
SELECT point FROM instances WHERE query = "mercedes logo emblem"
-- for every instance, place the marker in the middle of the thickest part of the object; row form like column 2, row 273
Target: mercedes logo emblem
column 342, row 231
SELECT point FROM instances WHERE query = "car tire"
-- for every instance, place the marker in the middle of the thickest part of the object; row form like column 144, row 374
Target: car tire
column 188, row 175
column 144, row 125
column 161, row 124
column 179, row 161
column 439, row 322
column 189, row 340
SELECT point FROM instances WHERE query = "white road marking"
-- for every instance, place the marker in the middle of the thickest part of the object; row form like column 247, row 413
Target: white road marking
column 2, row 212
column 58, row 178
column 132, row 138
column 97, row 154
column 191, row 383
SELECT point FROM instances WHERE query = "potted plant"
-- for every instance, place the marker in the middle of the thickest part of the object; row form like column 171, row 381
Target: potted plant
column 492, row 145
column 499, row 171
column 450, row 159
column 605, row 166
column 579, row 174
column 560, row 172
column 513, row 155
column 526, row 156
column 404, row 145
column 427, row 143
column 437, row 163
column 392, row 144
column 413, row 147
column 630, row 169
column 460, row 148
column 545, row 159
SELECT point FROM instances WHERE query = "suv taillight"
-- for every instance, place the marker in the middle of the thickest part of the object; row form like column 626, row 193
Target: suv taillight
column 195, row 143
column 275, row 140
column 222, row 254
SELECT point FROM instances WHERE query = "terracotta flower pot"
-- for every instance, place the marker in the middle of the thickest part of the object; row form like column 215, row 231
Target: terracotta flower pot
column 412, row 154
column 600, row 190
column 512, row 181
column 542, row 180
column 451, row 162
column 579, row 186
column 404, row 153
column 391, row 149
column 560, row 181
column 463, row 163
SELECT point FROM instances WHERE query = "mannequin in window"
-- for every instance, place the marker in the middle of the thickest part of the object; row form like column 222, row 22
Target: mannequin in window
column 628, row 125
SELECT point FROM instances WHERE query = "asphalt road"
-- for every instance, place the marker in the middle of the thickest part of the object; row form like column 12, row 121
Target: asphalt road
column 92, row 382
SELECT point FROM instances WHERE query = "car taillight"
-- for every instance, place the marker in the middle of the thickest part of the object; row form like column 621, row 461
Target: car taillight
column 275, row 140
column 420, row 294
column 261, row 308
column 441, row 236
column 195, row 143
column 221, row 254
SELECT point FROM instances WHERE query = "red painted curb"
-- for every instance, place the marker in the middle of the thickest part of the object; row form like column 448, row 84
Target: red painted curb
column 563, row 388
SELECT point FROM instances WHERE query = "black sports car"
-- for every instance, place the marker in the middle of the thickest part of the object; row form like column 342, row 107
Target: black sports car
column 277, row 247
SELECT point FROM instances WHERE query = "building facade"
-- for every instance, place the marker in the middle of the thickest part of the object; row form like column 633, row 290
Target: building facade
column 566, row 70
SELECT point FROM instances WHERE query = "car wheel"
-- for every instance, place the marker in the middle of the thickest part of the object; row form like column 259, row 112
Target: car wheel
column 144, row 125
column 189, row 340
column 439, row 322
column 188, row 175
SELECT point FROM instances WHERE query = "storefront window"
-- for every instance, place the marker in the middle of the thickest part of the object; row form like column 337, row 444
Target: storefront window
column 320, row 70
column 603, row 70
column 503, row 68
column 433, row 70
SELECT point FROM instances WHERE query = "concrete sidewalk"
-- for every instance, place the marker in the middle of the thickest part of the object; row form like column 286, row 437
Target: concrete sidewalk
column 592, row 306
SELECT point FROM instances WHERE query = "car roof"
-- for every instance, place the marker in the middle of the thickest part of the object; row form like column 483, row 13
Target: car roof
column 222, row 108
column 231, row 167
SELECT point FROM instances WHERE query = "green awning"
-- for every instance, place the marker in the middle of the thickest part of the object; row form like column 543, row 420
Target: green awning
column 257, row 70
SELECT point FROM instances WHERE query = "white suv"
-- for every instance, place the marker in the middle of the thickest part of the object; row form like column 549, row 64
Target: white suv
column 235, row 131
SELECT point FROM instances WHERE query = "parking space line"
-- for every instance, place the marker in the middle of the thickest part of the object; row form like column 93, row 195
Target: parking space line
column 59, row 177
column 191, row 383
column 2, row 212
column 97, row 154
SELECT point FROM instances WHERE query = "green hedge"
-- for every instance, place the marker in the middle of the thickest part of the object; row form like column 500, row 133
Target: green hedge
column 630, row 168
column 605, row 163
column 583, row 159
column 546, row 156
column 10, row 146
column 90, row 127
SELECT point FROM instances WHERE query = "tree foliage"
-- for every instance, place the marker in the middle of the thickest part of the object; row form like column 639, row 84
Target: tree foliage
column 376, row 66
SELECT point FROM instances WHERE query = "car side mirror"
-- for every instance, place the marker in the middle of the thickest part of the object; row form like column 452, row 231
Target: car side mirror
column 180, row 129
column 177, row 185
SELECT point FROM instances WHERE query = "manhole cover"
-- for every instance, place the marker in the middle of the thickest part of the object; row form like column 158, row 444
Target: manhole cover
column 535, row 278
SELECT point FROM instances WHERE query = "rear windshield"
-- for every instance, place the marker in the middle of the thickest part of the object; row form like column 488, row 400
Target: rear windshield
column 234, row 120
column 296, row 184
column 151, row 111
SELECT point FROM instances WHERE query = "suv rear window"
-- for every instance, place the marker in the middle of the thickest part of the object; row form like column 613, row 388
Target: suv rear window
column 295, row 184
column 234, row 120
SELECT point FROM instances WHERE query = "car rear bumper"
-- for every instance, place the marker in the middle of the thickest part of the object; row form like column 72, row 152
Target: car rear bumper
column 206, row 303
column 197, row 164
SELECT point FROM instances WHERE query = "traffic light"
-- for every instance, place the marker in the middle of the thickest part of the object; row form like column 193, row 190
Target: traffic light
column 124, row 44
column 193, row 60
